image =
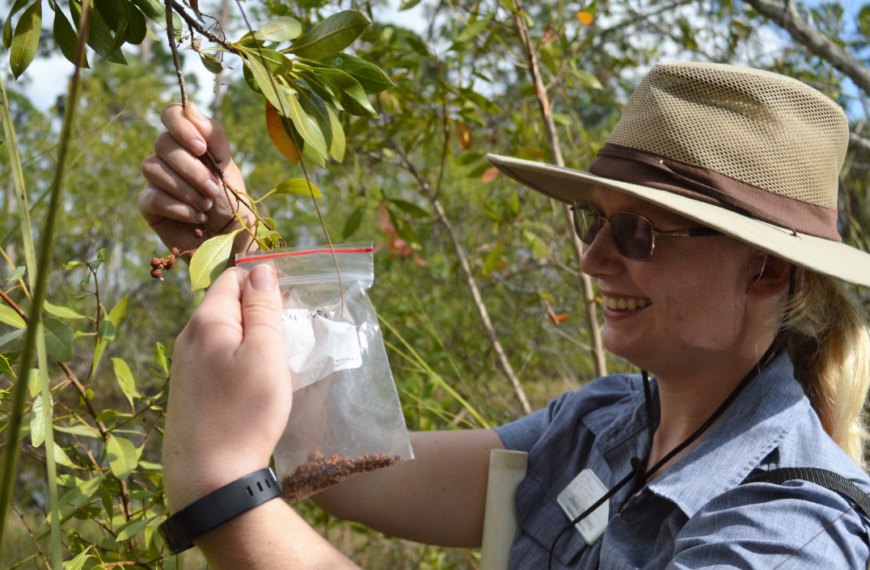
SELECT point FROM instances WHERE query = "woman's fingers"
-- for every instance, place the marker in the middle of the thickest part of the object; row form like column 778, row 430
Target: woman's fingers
column 195, row 132
column 179, row 160
column 156, row 204
column 158, row 173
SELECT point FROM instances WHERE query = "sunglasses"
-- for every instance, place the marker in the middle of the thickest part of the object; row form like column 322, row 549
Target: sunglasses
column 634, row 236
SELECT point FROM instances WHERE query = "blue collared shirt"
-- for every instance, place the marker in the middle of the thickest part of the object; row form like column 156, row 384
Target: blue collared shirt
column 695, row 514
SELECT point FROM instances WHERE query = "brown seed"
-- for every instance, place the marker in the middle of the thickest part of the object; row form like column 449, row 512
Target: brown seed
column 156, row 263
column 175, row 251
column 170, row 261
column 321, row 472
column 197, row 232
column 156, row 274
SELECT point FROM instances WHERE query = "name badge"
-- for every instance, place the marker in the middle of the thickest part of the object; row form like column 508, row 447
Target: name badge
column 579, row 495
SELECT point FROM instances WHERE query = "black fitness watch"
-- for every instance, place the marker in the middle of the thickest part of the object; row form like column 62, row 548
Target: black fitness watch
column 211, row 511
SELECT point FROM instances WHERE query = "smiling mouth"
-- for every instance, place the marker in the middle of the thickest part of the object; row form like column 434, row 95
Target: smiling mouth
column 625, row 303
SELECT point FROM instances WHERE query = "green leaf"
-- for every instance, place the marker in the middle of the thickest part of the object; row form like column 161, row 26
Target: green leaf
column 106, row 499
column 98, row 354
column 122, row 456
column 353, row 223
column 100, row 38
column 331, row 35
column 62, row 312
column 307, row 128
column 161, row 358
column 472, row 29
column 11, row 317
column 83, row 430
column 318, row 115
column 137, row 29
column 352, row 95
column 467, row 158
column 78, row 562
column 9, row 337
column 26, row 39
column 276, row 62
column 119, row 311
column 371, row 77
column 61, row 458
column 78, row 496
column 210, row 260
column 338, row 145
column 125, row 380
column 67, row 39
column 210, row 63
column 539, row 246
column 107, row 329
column 411, row 209
column 268, row 85
column 279, row 30
column 156, row 10
column 74, row 264
column 7, row 28
column 33, row 382
column 132, row 528
column 116, row 14
column 58, row 339
column 585, row 78
column 5, row 367
column 298, row 186
column 493, row 258
column 37, row 423
column 408, row 4
column 17, row 274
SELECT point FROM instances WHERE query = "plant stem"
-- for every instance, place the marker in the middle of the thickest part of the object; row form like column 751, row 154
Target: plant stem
column 553, row 138
column 170, row 34
column 469, row 277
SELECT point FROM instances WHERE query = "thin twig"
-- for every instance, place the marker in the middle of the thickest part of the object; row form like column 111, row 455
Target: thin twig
column 170, row 34
column 469, row 276
column 30, row 532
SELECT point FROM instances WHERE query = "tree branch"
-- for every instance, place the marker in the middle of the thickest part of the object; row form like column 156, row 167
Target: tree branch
column 469, row 276
column 553, row 138
column 788, row 18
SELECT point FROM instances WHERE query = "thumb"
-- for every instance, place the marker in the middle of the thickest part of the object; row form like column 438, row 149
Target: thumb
column 261, row 308
column 213, row 132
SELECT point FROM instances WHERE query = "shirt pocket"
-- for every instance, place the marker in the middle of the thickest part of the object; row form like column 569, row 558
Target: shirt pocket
column 542, row 519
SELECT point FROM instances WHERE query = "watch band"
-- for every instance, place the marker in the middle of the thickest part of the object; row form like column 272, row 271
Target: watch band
column 211, row 511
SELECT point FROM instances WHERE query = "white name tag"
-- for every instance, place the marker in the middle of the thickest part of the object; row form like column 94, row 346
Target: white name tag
column 579, row 495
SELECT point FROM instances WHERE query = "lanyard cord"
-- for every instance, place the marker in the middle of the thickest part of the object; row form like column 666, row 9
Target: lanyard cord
column 637, row 471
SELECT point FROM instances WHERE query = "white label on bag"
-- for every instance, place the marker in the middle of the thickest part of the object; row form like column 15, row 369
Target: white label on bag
column 579, row 495
column 318, row 346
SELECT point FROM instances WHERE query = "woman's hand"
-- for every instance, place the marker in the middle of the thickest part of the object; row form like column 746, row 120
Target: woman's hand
column 183, row 194
column 230, row 393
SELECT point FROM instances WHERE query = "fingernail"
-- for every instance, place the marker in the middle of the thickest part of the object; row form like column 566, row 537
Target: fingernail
column 262, row 278
column 205, row 204
column 201, row 218
column 196, row 113
column 197, row 146
column 211, row 188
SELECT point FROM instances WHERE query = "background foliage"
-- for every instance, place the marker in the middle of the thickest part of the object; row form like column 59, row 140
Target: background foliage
column 462, row 89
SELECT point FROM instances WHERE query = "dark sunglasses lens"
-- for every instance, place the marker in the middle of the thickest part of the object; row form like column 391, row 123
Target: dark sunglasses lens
column 586, row 222
column 632, row 235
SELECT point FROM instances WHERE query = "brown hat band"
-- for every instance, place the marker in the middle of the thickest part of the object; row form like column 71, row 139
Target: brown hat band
column 647, row 169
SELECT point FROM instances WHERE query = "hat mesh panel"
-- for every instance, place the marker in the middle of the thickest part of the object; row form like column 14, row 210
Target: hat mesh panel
column 765, row 129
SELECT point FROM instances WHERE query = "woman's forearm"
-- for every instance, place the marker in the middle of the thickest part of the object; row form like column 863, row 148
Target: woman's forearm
column 438, row 498
column 270, row 536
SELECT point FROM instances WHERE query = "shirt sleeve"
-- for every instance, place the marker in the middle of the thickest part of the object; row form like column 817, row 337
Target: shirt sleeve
column 524, row 433
column 764, row 526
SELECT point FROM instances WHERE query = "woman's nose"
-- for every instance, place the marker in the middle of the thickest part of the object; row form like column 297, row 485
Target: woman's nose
column 600, row 258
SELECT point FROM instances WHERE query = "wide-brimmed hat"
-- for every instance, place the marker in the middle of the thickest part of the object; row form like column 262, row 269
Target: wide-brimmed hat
column 747, row 152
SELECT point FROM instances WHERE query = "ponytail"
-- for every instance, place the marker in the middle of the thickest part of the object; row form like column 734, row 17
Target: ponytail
column 828, row 339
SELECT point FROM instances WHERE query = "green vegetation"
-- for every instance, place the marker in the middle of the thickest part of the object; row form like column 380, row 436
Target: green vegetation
column 387, row 129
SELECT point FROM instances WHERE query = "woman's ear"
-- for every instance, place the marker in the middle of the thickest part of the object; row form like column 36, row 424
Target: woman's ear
column 770, row 277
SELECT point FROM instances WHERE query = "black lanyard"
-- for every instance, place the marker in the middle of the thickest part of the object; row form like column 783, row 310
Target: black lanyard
column 637, row 471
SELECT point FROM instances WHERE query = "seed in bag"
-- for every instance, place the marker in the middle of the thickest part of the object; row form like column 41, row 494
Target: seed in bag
column 346, row 417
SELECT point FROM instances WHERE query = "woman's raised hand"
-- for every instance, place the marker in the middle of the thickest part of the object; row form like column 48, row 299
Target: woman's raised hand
column 182, row 193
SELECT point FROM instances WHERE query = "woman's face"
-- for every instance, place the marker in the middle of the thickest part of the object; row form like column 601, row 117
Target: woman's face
column 691, row 295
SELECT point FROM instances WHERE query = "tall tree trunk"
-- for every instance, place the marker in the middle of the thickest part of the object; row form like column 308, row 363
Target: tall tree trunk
column 597, row 348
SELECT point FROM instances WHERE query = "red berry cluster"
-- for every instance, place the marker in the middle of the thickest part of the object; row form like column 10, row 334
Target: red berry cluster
column 158, row 264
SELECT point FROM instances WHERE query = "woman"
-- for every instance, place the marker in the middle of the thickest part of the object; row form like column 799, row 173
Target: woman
column 711, row 229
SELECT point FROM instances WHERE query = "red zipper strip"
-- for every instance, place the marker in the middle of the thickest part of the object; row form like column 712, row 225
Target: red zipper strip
column 295, row 253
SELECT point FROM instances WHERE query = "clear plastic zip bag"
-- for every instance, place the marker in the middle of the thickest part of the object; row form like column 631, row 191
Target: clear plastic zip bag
column 346, row 417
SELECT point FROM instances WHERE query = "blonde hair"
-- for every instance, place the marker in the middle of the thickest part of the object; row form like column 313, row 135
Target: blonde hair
column 828, row 339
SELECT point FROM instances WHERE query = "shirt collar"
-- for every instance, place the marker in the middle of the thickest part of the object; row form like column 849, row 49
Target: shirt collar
column 756, row 423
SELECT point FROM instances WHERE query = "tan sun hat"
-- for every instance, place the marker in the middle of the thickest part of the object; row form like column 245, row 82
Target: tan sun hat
column 747, row 152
